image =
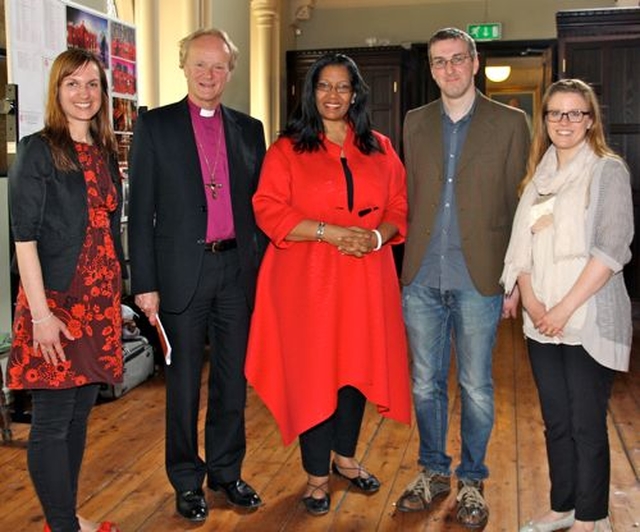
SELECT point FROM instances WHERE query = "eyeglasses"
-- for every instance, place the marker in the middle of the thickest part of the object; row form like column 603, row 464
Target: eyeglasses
column 575, row 115
column 440, row 62
column 340, row 88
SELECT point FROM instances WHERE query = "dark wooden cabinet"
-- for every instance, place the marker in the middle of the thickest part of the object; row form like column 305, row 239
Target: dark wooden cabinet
column 395, row 76
column 602, row 47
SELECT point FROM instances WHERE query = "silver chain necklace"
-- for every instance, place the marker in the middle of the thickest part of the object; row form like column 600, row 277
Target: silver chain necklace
column 212, row 185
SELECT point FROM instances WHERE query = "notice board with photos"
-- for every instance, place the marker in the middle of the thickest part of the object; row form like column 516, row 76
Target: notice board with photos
column 39, row 30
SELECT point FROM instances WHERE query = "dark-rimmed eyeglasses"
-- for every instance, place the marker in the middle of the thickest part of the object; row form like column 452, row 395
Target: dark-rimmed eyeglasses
column 340, row 88
column 575, row 115
column 440, row 62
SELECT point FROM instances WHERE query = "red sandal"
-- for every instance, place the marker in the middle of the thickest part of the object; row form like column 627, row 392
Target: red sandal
column 105, row 526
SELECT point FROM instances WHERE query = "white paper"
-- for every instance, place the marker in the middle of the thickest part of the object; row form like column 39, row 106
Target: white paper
column 164, row 341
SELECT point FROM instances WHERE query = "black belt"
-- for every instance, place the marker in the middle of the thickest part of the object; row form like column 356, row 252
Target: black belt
column 218, row 246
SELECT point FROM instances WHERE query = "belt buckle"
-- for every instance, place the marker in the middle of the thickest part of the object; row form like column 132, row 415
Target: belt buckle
column 218, row 246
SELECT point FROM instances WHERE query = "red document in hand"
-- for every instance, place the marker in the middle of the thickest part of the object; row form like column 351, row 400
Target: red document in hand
column 164, row 341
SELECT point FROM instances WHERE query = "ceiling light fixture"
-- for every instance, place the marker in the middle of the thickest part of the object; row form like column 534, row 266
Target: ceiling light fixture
column 497, row 74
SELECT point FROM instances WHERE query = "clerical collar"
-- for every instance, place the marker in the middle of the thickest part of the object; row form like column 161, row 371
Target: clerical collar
column 196, row 110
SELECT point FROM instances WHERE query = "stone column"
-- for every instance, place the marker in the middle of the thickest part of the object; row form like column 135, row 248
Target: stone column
column 147, row 52
column 265, row 64
column 175, row 21
column 206, row 14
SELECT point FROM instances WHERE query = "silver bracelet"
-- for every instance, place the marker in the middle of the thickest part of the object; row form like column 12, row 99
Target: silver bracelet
column 378, row 239
column 42, row 320
column 320, row 232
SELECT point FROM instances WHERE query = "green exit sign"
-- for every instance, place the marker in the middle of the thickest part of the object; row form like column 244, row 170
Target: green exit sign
column 489, row 31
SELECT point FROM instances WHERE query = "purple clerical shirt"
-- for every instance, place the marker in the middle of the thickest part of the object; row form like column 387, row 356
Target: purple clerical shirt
column 212, row 150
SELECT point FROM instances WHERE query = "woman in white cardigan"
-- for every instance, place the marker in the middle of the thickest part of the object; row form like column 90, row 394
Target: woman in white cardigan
column 569, row 243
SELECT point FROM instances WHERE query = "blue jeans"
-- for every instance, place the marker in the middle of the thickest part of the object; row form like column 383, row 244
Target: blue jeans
column 432, row 316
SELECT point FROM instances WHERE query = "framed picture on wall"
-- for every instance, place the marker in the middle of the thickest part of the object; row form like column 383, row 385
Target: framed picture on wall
column 520, row 99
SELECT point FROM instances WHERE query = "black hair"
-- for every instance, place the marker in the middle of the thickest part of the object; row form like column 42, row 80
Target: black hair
column 305, row 125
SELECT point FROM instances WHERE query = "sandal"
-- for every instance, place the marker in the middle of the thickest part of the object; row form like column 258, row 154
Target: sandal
column 105, row 526
column 318, row 506
column 369, row 484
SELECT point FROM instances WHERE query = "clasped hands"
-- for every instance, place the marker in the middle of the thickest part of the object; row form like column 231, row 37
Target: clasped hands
column 354, row 241
column 549, row 322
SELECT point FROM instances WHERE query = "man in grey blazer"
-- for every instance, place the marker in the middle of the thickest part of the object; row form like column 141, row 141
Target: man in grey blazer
column 465, row 156
column 195, row 251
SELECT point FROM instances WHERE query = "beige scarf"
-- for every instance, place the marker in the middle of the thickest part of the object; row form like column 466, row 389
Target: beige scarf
column 570, row 187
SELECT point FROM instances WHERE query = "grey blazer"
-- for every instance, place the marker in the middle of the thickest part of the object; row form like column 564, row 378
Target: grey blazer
column 491, row 166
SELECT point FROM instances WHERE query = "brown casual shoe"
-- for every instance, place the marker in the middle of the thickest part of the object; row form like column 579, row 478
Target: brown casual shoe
column 472, row 510
column 426, row 488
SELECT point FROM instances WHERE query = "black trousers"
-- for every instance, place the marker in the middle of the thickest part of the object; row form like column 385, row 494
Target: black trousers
column 55, row 450
column 338, row 433
column 574, row 391
column 219, row 310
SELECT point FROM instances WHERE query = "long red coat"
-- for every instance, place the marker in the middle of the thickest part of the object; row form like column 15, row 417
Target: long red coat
column 324, row 320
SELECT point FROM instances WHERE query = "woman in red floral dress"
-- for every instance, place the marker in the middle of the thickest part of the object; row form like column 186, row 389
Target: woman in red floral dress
column 65, row 197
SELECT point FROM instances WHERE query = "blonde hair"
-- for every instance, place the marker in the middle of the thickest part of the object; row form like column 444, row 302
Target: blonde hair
column 213, row 32
column 541, row 141
column 56, row 127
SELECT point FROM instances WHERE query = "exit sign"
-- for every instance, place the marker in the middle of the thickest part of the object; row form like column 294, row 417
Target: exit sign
column 489, row 31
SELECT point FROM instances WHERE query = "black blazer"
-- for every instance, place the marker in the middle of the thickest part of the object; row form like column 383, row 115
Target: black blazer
column 50, row 206
column 167, row 204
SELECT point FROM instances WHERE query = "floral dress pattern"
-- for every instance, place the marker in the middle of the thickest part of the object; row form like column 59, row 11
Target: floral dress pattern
column 90, row 308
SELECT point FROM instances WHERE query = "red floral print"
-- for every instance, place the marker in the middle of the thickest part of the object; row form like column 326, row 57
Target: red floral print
column 90, row 308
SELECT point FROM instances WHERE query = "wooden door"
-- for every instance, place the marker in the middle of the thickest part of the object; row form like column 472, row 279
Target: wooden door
column 602, row 47
column 391, row 72
column 384, row 100
column 610, row 67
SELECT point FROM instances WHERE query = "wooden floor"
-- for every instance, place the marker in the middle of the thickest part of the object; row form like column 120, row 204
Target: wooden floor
column 123, row 476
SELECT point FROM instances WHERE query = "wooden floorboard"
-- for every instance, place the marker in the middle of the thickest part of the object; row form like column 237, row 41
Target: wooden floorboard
column 123, row 477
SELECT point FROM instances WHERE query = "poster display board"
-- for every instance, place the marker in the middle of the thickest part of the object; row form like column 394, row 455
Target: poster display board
column 38, row 30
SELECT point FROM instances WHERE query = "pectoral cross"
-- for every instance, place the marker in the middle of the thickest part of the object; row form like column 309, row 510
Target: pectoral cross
column 213, row 187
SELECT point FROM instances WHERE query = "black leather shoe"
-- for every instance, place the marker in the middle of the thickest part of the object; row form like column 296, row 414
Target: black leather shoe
column 368, row 484
column 317, row 506
column 192, row 505
column 238, row 493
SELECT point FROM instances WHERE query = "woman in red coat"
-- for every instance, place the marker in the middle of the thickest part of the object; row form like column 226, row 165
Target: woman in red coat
column 327, row 331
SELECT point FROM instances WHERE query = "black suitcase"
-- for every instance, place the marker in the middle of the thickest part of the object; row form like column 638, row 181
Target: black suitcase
column 138, row 367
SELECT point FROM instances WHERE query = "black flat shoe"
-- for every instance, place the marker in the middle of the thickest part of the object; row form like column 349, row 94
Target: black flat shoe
column 318, row 506
column 238, row 493
column 368, row 485
column 192, row 505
